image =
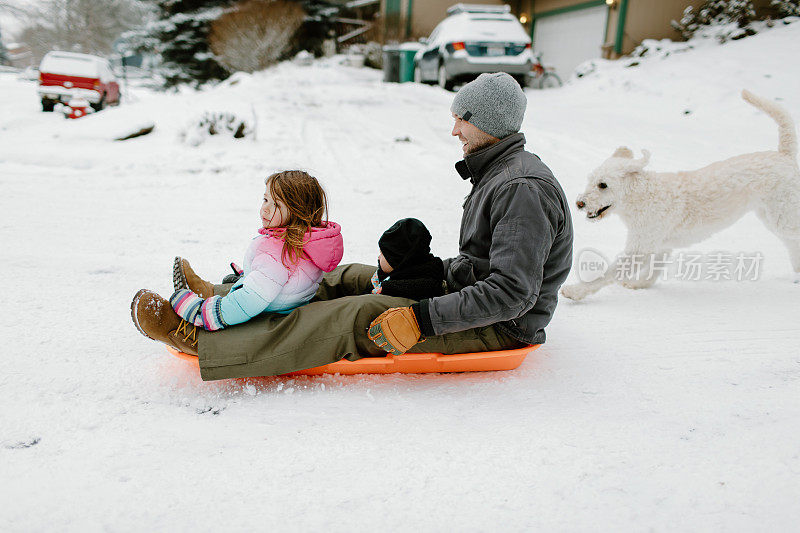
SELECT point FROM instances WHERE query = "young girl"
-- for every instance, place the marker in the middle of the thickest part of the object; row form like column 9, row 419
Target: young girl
column 283, row 265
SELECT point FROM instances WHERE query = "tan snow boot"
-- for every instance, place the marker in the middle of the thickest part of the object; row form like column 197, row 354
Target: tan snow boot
column 154, row 317
column 183, row 277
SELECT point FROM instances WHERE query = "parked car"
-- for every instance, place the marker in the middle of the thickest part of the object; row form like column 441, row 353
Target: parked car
column 474, row 39
column 64, row 75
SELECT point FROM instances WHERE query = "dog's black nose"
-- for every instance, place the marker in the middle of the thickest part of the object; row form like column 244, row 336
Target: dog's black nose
column 580, row 204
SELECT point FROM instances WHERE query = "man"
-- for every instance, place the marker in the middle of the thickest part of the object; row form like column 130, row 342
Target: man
column 515, row 251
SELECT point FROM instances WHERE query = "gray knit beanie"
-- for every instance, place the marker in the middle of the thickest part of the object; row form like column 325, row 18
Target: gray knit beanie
column 493, row 103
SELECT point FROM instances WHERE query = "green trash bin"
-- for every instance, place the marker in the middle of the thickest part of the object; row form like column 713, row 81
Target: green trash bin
column 407, row 53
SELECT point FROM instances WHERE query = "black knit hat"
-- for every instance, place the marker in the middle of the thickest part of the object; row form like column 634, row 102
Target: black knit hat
column 406, row 241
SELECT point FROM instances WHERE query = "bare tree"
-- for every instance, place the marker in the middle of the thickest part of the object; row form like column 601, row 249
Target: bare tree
column 79, row 25
column 10, row 7
column 255, row 33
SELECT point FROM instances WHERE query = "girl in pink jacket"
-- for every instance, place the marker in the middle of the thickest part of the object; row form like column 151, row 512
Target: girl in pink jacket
column 283, row 265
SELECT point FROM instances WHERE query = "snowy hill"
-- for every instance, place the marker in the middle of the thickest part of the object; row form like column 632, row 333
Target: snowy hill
column 668, row 409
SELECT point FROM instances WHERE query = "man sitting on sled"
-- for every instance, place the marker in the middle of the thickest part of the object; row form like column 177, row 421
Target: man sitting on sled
column 515, row 251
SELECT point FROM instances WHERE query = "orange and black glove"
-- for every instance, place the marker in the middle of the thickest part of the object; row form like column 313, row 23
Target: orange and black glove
column 395, row 330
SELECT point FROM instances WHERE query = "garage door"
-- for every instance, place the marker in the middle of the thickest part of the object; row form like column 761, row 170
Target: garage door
column 568, row 39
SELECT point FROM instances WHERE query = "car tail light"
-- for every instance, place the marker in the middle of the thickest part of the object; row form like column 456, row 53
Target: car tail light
column 452, row 47
column 96, row 86
column 528, row 46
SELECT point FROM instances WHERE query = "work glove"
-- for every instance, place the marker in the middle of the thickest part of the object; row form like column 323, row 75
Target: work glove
column 395, row 330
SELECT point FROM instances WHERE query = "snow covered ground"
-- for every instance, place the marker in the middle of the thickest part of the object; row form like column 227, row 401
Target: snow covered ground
column 673, row 408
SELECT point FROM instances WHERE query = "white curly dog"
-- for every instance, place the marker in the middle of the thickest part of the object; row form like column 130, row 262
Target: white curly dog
column 668, row 210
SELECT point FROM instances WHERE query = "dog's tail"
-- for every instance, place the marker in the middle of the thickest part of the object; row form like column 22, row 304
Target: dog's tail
column 787, row 136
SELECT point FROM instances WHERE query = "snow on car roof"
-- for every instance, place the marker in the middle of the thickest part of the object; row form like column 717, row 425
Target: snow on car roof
column 481, row 27
column 70, row 64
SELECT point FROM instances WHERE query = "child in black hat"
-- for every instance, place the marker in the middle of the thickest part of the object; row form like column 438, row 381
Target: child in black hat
column 406, row 266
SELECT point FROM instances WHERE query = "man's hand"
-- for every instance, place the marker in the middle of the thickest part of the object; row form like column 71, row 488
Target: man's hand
column 395, row 330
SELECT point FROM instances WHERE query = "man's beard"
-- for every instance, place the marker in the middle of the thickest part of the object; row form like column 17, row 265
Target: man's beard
column 479, row 144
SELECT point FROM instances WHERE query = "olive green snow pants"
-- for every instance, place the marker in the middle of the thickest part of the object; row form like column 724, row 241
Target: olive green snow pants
column 331, row 327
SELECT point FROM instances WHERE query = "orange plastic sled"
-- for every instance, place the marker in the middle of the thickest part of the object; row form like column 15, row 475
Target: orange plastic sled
column 413, row 363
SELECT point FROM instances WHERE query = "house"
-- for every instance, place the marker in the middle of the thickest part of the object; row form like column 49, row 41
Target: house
column 565, row 32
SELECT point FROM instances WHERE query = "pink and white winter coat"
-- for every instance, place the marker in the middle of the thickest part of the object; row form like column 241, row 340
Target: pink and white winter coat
column 268, row 285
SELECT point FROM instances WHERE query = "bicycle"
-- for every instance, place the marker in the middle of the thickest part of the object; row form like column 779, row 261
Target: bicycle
column 542, row 77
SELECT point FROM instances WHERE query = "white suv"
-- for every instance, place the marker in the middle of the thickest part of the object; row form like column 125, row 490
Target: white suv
column 474, row 39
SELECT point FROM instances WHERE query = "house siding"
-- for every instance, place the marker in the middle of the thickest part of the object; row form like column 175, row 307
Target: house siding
column 644, row 19
column 647, row 19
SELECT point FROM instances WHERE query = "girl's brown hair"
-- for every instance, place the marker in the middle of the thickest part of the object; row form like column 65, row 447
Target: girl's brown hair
column 307, row 205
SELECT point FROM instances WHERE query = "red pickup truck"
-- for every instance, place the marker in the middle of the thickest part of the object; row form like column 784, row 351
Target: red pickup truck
column 64, row 75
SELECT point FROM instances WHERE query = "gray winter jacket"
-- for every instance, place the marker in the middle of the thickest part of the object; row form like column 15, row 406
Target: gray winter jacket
column 515, row 247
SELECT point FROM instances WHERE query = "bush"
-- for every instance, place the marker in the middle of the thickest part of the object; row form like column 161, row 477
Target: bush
column 216, row 123
column 733, row 16
column 255, row 34
column 787, row 8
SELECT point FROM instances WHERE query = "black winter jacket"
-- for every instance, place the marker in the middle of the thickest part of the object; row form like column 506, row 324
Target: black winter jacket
column 515, row 247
